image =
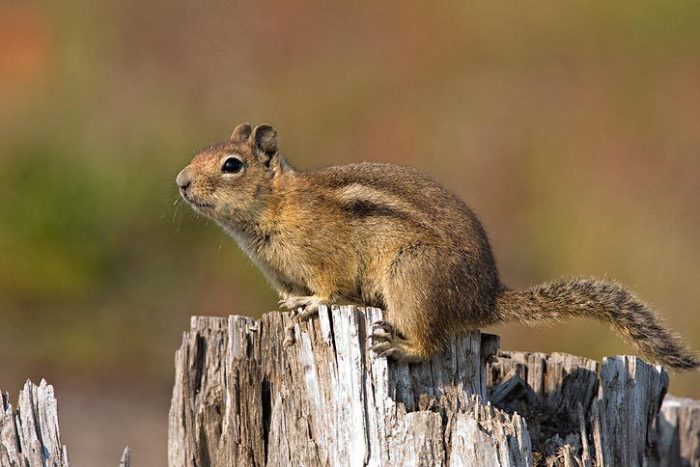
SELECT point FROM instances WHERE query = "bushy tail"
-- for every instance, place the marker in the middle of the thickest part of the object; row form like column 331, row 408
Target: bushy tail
column 605, row 301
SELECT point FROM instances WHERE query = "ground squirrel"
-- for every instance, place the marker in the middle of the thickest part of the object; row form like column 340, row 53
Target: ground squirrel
column 387, row 236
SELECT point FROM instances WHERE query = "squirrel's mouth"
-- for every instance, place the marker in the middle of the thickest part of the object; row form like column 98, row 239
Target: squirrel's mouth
column 195, row 202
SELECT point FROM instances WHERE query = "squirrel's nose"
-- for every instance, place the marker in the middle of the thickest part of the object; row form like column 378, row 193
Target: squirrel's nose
column 183, row 179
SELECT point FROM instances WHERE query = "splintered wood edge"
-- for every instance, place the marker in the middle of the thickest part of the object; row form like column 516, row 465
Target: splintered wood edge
column 29, row 435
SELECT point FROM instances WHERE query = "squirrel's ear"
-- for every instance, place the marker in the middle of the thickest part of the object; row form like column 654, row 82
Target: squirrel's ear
column 265, row 141
column 241, row 133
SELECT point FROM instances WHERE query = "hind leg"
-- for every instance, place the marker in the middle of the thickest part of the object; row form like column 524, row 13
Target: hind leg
column 415, row 328
column 406, row 340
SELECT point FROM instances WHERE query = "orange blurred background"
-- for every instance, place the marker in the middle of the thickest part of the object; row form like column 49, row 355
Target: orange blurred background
column 572, row 128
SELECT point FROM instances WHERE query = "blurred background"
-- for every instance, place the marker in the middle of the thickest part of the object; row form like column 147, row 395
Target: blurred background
column 572, row 128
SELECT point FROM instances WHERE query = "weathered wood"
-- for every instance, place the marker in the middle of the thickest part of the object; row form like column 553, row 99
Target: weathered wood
column 196, row 411
column 677, row 429
column 29, row 435
column 546, row 389
column 629, row 397
column 553, row 393
column 328, row 401
column 572, row 404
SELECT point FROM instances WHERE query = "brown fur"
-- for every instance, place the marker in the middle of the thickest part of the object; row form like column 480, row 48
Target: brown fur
column 387, row 236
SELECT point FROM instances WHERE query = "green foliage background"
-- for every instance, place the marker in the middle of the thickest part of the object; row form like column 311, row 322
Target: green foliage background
column 573, row 128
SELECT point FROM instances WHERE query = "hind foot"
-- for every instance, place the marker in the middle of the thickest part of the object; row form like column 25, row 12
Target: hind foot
column 388, row 342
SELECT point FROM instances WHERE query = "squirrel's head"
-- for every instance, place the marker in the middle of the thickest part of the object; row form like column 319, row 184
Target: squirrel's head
column 232, row 181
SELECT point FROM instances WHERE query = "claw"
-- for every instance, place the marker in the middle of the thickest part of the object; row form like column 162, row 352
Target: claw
column 379, row 337
column 306, row 314
column 383, row 331
column 380, row 346
column 292, row 303
column 386, row 340
column 385, row 350
column 302, row 309
column 385, row 326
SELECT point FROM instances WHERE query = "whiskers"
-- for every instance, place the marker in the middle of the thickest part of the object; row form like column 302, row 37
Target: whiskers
column 177, row 221
column 176, row 218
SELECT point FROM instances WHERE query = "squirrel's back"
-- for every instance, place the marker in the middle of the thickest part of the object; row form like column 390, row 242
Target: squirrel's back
column 370, row 189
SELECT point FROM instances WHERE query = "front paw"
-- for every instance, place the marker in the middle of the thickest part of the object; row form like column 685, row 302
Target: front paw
column 303, row 309
column 294, row 303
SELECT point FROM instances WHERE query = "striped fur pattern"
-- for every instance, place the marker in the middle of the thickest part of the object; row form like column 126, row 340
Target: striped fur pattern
column 388, row 236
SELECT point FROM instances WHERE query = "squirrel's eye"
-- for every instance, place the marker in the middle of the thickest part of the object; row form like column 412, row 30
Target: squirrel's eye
column 232, row 165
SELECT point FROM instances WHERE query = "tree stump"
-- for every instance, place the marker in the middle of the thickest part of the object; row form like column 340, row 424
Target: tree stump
column 241, row 398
